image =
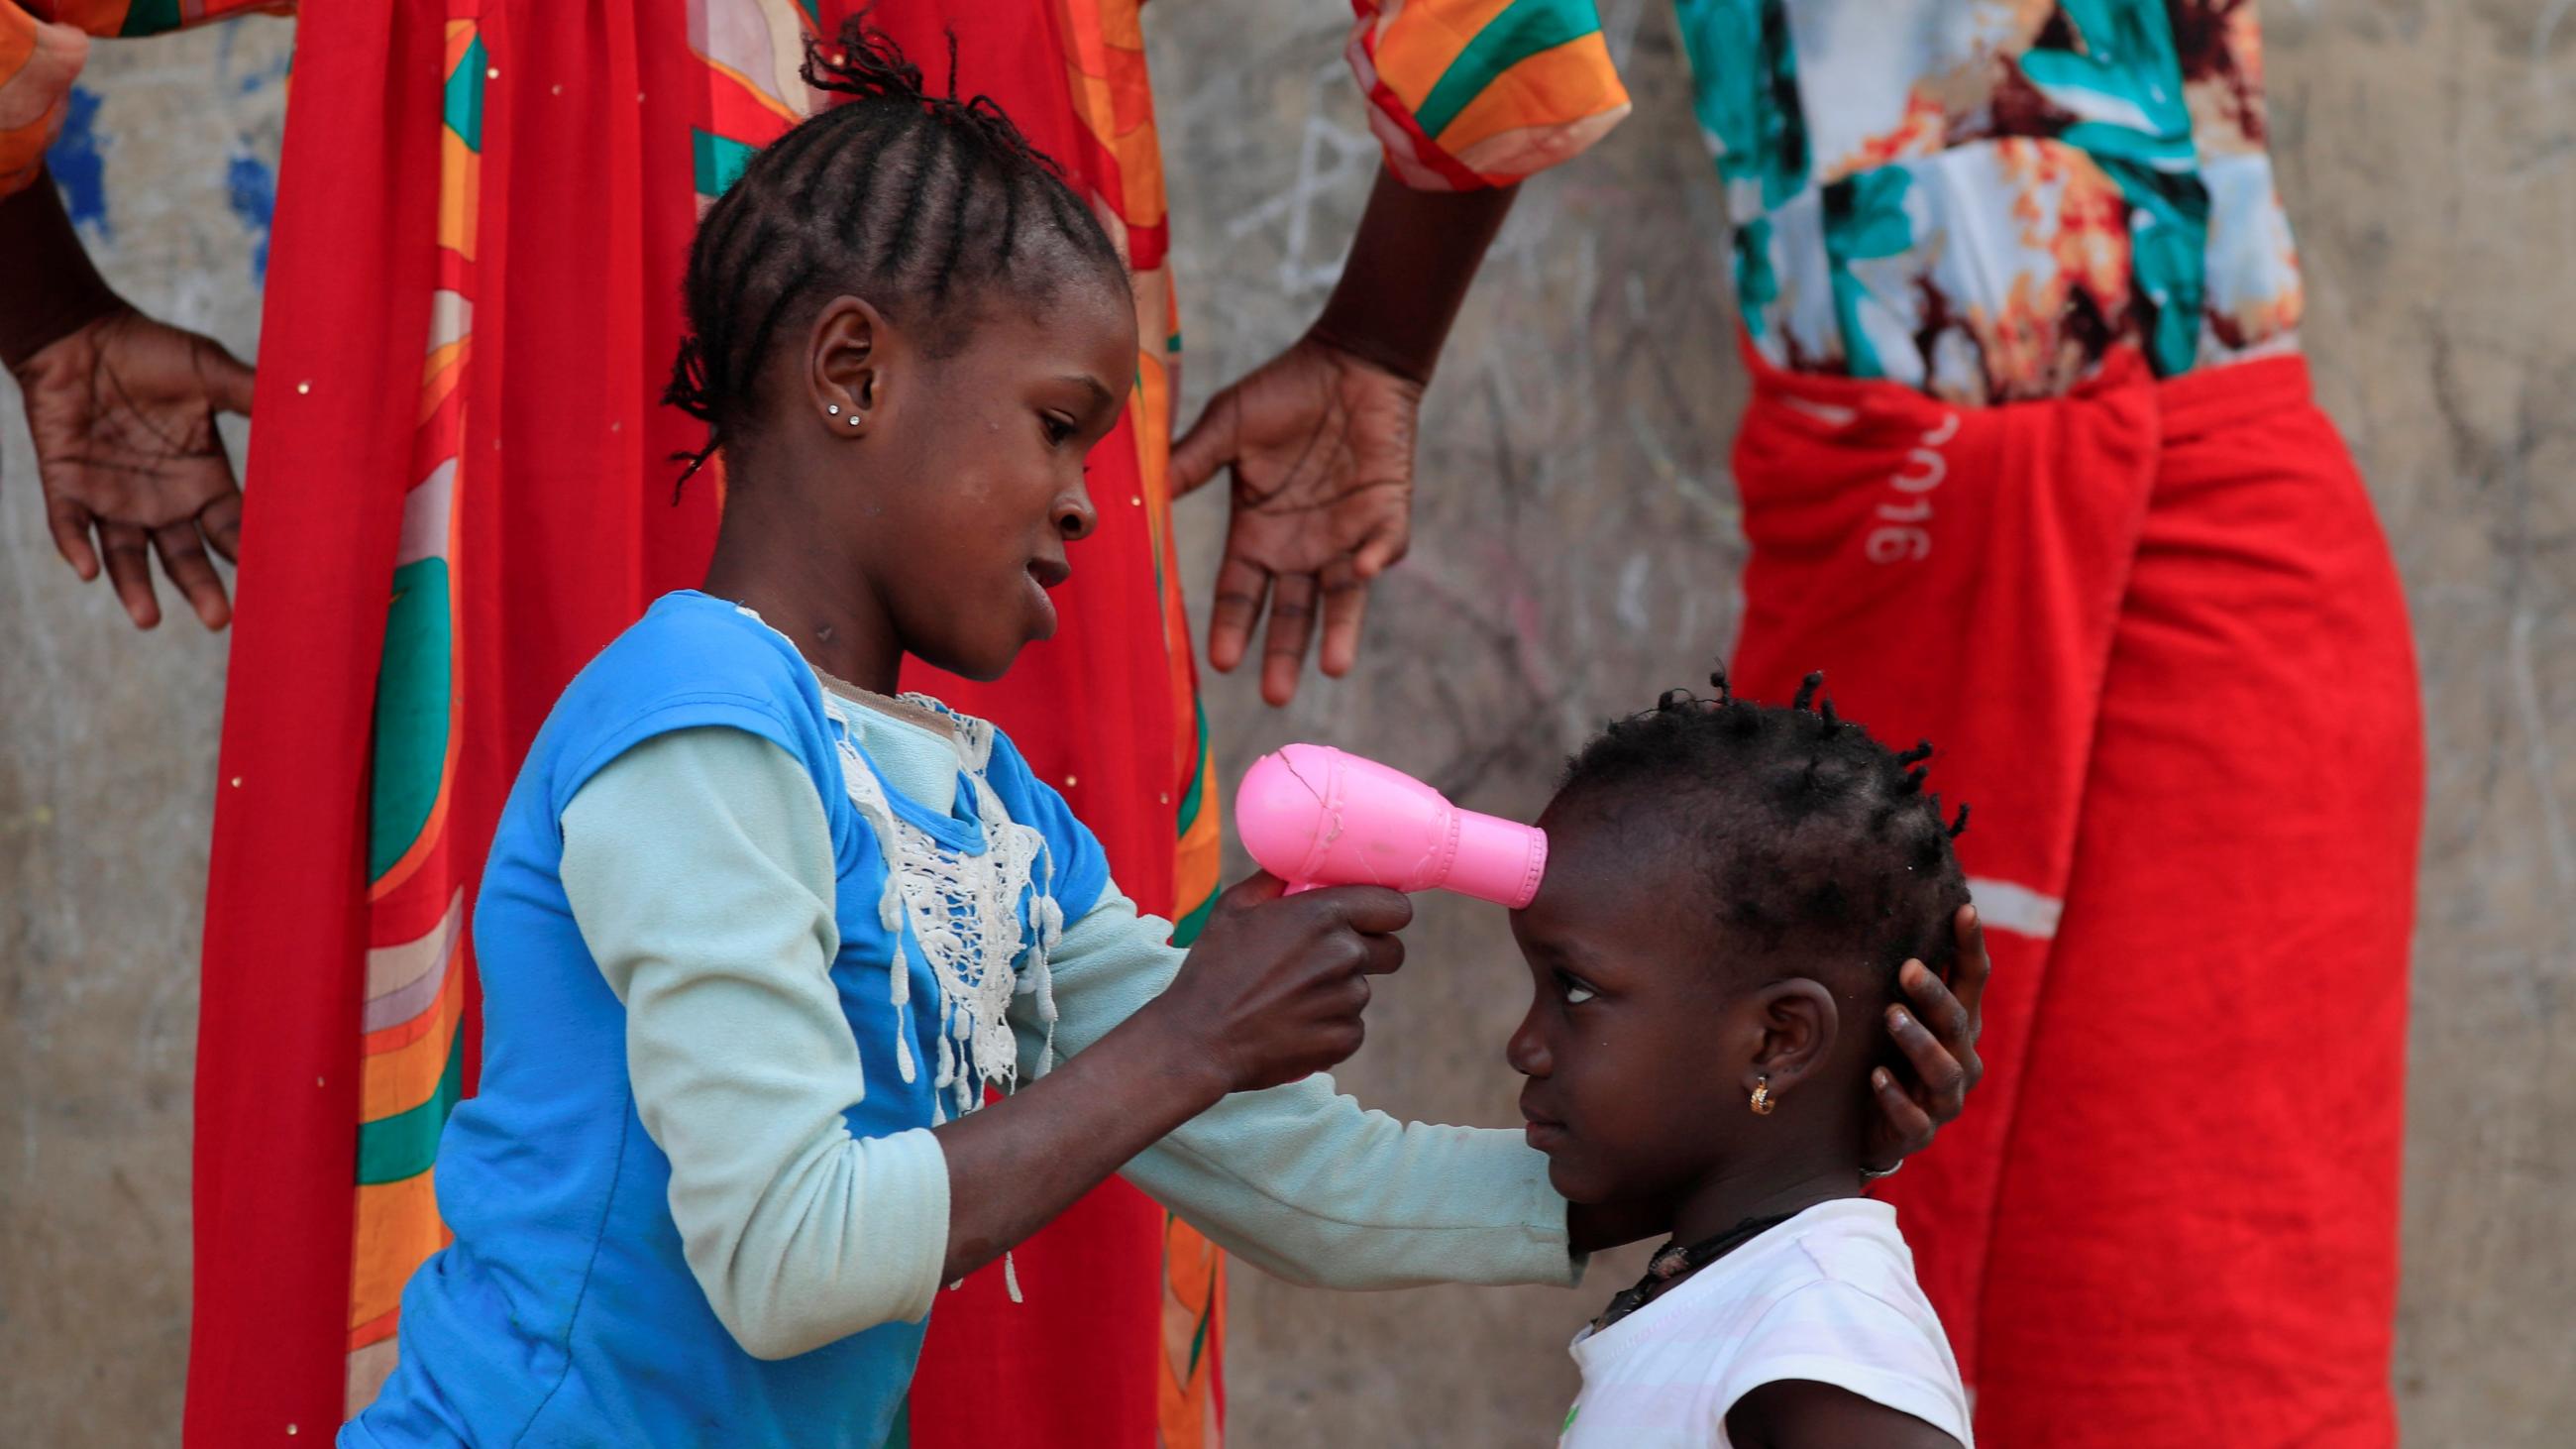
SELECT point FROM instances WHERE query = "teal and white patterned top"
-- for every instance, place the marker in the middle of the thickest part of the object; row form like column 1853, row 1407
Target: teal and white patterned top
column 1983, row 198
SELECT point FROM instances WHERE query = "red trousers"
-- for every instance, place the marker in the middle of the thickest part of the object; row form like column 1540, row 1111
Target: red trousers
column 2155, row 632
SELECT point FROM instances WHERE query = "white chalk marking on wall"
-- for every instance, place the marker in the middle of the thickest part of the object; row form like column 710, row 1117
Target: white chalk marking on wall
column 2015, row 908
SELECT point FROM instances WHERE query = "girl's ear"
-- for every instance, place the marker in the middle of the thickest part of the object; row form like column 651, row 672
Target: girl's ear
column 847, row 365
column 1798, row 1024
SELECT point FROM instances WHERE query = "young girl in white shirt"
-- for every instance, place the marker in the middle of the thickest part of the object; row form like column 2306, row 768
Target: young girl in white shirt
column 1736, row 896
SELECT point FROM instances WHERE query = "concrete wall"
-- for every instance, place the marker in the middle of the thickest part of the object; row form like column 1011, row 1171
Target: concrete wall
column 1574, row 457
column 107, row 762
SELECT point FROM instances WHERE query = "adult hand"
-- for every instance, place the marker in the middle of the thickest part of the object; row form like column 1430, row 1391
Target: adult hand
column 122, row 411
column 1320, row 443
column 1942, row 1061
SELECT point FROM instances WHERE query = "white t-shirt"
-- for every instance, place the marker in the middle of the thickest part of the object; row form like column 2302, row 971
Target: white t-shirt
column 1828, row 1296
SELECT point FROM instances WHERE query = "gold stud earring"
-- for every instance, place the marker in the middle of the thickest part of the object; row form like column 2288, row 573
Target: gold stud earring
column 1762, row 1099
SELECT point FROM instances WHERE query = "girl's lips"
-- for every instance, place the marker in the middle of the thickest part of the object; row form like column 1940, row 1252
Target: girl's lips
column 1044, row 606
column 1540, row 1128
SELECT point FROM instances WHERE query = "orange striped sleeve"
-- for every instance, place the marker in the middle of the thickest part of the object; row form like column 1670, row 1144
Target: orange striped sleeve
column 1472, row 93
column 38, row 62
column 149, row 17
column 43, row 44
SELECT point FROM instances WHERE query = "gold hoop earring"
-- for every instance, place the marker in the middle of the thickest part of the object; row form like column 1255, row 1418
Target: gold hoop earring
column 1763, row 1101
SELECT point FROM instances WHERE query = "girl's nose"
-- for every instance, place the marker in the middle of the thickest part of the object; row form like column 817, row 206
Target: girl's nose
column 1526, row 1051
column 1075, row 518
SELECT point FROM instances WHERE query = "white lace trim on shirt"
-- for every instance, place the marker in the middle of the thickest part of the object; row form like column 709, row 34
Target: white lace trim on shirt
column 964, row 913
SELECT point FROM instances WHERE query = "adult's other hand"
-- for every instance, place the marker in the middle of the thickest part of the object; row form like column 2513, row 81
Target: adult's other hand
column 1320, row 445
column 122, row 410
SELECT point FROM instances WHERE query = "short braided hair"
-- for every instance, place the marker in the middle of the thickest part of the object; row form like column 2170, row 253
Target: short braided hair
column 1817, row 845
column 912, row 199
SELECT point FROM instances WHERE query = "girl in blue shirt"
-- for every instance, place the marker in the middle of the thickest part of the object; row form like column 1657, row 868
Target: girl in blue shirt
column 756, row 937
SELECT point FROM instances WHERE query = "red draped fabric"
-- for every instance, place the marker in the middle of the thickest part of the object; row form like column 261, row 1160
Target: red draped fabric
column 2155, row 631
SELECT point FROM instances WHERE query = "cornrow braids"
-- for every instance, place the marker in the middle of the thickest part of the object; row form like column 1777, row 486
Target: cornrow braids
column 1815, row 843
column 913, row 199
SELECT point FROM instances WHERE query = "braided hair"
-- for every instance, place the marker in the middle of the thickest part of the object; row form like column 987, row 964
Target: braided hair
column 1816, row 844
column 914, row 200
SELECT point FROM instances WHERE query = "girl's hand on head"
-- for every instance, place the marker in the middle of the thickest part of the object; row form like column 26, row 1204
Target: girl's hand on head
column 1942, row 1061
column 1274, row 986
column 122, row 412
column 1320, row 443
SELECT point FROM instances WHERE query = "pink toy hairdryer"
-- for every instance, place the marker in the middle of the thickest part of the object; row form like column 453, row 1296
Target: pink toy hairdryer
column 1314, row 816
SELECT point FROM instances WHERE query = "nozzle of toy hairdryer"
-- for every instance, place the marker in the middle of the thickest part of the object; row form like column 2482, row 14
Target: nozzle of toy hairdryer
column 1313, row 815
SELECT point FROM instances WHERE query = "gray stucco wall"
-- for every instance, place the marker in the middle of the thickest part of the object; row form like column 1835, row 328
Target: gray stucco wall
column 1575, row 459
